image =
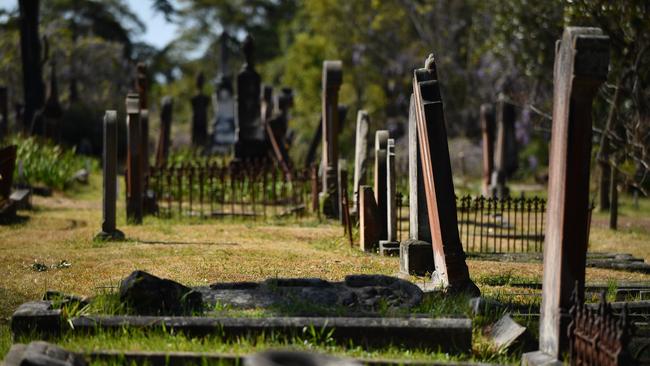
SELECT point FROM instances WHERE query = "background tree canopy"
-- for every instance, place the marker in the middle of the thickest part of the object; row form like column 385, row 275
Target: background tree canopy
column 483, row 47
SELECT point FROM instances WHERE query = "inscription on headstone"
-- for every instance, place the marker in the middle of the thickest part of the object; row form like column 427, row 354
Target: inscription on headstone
column 332, row 79
column 581, row 63
column 451, row 271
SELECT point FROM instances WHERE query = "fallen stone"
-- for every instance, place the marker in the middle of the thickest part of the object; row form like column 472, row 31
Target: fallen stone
column 291, row 358
column 22, row 198
column 147, row 294
column 41, row 353
column 506, row 333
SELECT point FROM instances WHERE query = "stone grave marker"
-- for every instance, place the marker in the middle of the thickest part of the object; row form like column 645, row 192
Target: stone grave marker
column 487, row 136
column 451, row 271
column 134, row 200
column 369, row 220
column 390, row 246
column 164, row 139
column 224, row 129
column 505, row 160
column 416, row 253
column 200, row 114
column 332, row 79
column 381, row 144
column 109, row 189
column 52, row 111
column 142, row 84
column 250, row 137
column 360, row 156
column 581, row 63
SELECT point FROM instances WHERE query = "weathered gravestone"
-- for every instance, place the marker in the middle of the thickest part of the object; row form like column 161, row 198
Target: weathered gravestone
column 451, row 271
column 250, row 138
column 4, row 112
column 360, row 156
column 505, row 161
column 487, row 134
column 581, row 63
column 164, row 139
column 390, row 246
column 416, row 253
column 381, row 144
column 109, row 194
column 332, row 79
column 52, row 111
column 135, row 183
column 200, row 114
column 224, row 129
column 32, row 66
column 369, row 221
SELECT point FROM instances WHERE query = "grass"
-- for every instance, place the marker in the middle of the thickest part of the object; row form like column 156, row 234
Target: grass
column 196, row 252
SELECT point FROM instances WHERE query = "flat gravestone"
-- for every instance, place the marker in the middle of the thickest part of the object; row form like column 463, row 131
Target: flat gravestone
column 581, row 63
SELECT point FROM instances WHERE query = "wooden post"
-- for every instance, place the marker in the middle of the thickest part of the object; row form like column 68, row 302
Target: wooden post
column 332, row 79
column 448, row 255
column 581, row 62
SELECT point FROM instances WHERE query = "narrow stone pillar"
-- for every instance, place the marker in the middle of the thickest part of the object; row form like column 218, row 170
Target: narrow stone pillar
column 451, row 271
column 581, row 63
column 416, row 253
column 360, row 156
column 368, row 220
column 390, row 246
column 342, row 176
column 162, row 151
column 332, row 79
column 487, row 133
column 381, row 144
column 135, row 184
column 144, row 142
column 504, row 162
column 109, row 230
column 200, row 114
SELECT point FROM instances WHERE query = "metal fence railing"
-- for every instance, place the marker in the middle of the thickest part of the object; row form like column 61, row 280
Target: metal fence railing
column 236, row 189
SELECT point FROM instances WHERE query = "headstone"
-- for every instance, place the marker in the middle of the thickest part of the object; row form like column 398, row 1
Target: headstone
column 360, row 155
column 505, row 161
column 390, row 246
column 581, row 63
column 142, row 84
column 250, row 137
column 4, row 112
column 507, row 333
column 487, row 133
column 451, row 271
column 144, row 141
column 342, row 176
column 317, row 137
column 52, row 111
column 200, row 114
column 224, row 129
column 369, row 220
column 381, row 144
column 416, row 253
column 162, row 151
column 109, row 230
column 332, row 79
column 134, row 180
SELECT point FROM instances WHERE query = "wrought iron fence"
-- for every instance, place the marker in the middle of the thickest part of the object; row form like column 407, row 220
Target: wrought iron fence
column 253, row 188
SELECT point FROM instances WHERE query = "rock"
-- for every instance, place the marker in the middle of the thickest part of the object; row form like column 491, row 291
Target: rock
column 290, row 358
column 147, row 294
column 41, row 353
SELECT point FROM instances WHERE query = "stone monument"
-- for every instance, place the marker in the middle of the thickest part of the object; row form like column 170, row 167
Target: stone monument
column 224, row 128
column 487, row 139
column 109, row 196
column 200, row 114
column 381, row 145
column 390, row 246
column 360, row 156
column 332, row 79
column 135, row 184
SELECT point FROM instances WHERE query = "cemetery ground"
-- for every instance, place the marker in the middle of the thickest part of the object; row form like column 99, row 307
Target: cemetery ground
column 53, row 250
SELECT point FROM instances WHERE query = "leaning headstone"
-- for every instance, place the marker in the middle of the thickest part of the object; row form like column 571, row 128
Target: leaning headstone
column 332, row 79
column 134, row 203
column 390, row 246
column 416, row 253
column 224, row 129
column 250, row 139
column 369, row 220
column 360, row 155
column 505, row 151
column 164, row 139
column 381, row 144
column 4, row 112
column 507, row 333
column 109, row 194
column 487, row 133
column 451, row 271
column 200, row 114
column 581, row 63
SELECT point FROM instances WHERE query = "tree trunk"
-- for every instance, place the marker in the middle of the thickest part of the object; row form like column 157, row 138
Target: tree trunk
column 30, row 47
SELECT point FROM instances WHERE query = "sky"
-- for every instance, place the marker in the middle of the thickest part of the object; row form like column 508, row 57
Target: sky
column 159, row 33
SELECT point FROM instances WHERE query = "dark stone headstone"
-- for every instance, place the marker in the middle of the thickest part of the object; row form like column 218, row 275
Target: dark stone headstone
column 200, row 114
column 109, row 231
column 149, row 295
column 134, row 176
column 164, row 137
column 331, row 83
column 369, row 220
column 505, row 160
column 250, row 138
